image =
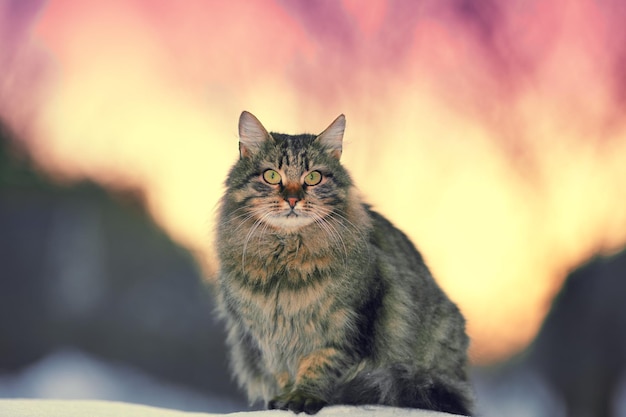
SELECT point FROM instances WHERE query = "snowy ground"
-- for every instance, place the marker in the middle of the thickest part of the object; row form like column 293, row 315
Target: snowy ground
column 64, row 408
column 97, row 388
column 73, row 375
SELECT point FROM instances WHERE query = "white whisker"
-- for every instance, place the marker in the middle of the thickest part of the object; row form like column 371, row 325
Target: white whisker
column 332, row 233
column 251, row 232
column 335, row 219
column 341, row 220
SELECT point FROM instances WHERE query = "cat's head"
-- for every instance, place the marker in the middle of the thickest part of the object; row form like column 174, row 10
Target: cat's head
column 288, row 182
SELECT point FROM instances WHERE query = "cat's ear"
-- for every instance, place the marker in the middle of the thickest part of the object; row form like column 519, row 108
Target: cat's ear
column 332, row 137
column 252, row 134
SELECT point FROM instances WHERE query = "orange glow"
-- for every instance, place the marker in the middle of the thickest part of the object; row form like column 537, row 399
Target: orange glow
column 493, row 136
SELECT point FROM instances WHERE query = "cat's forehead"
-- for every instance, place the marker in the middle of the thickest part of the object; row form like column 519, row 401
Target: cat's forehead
column 294, row 152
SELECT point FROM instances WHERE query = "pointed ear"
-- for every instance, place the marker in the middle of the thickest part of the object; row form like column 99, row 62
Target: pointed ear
column 252, row 135
column 332, row 137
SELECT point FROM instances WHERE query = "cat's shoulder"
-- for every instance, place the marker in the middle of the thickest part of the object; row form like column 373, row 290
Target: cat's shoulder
column 386, row 234
column 380, row 223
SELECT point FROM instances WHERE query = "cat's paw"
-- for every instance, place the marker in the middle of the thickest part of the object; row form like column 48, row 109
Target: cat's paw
column 297, row 401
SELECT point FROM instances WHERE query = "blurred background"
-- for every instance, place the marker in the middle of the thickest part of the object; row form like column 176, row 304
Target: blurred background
column 492, row 132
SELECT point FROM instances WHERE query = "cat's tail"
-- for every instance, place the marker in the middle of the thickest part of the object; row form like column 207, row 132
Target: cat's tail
column 400, row 386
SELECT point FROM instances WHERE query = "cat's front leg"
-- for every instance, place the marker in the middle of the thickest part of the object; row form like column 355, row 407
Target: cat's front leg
column 248, row 366
column 297, row 401
column 316, row 378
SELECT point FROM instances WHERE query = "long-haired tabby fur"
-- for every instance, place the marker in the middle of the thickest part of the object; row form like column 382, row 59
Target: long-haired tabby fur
column 325, row 301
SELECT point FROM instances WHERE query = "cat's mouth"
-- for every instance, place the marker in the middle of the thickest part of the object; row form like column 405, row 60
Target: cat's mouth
column 289, row 219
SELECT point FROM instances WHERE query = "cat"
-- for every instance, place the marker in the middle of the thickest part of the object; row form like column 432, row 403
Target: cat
column 325, row 301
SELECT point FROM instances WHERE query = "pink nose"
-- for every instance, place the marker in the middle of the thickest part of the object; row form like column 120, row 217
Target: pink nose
column 292, row 201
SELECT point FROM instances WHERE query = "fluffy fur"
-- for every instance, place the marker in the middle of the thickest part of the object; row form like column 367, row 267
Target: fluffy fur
column 325, row 301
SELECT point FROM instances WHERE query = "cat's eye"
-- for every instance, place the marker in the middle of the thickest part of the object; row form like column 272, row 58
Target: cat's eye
column 271, row 177
column 313, row 178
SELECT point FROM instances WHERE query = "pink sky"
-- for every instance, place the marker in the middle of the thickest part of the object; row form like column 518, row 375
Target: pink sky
column 492, row 132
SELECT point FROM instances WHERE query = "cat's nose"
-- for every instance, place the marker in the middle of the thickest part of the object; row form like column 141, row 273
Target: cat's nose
column 292, row 201
column 292, row 193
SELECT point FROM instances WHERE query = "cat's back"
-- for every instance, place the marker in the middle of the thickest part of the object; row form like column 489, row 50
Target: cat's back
column 395, row 252
column 401, row 264
column 416, row 306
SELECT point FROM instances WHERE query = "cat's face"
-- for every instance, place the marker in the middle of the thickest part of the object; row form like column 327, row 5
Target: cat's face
column 288, row 182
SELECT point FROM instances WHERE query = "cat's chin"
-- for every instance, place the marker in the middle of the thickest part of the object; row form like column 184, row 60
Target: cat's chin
column 289, row 223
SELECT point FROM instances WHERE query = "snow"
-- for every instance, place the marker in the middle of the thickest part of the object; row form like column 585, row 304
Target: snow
column 74, row 375
column 70, row 383
column 517, row 393
column 82, row 408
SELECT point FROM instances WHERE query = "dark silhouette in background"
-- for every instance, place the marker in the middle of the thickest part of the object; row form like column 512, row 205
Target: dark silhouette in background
column 86, row 268
column 581, row 348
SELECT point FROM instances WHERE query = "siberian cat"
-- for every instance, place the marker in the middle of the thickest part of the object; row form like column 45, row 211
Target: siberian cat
column 325, row 301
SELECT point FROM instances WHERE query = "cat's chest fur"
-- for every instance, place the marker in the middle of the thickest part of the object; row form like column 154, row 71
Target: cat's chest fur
column 284, row 288
column 277, row 261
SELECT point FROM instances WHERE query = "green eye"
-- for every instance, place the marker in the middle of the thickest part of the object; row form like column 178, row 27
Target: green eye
column 271, row 177
column 313, row 178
